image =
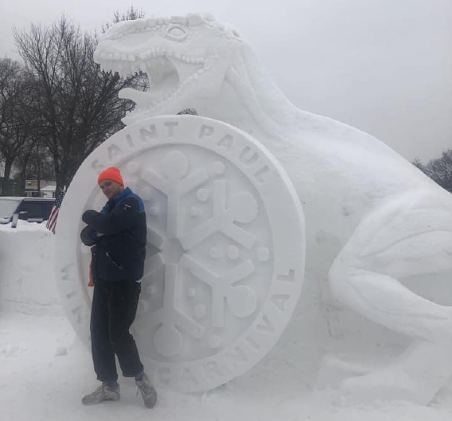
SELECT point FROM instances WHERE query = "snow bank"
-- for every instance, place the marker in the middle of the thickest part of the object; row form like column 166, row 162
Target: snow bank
column 27, row 282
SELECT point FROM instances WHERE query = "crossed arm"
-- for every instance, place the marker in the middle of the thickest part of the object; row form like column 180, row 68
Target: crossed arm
column 120, row 219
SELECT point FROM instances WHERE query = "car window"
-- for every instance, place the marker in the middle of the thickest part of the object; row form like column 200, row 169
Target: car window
column 34, row 210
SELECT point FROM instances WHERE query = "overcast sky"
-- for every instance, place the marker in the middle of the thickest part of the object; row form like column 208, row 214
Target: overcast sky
column 384, row 66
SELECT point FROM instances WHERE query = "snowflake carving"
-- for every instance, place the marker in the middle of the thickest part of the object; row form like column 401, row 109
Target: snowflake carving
column 176, row 178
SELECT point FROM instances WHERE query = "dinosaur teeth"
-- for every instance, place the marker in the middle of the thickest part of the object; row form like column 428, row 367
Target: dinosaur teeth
column 169, row 73
column 183, row 68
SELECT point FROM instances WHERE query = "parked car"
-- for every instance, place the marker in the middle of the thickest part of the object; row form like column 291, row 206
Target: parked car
column 31, row 209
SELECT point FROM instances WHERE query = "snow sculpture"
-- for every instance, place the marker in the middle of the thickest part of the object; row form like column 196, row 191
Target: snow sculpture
column 372, row 219
column 225, row 255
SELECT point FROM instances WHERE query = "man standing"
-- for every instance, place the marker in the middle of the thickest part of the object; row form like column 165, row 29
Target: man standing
column 118, row 237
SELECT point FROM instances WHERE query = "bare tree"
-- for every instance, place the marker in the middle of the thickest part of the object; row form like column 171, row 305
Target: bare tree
column 17, row 116
column 78, row 103
column 35, row 164
column 439, row 169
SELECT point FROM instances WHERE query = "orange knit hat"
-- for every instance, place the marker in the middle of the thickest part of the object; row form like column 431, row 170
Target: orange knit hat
column 110, row 173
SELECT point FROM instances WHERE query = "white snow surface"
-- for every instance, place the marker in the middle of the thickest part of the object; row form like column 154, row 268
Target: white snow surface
column 45, row 369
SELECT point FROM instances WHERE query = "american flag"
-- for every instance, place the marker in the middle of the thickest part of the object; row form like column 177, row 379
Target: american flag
column 51, row 223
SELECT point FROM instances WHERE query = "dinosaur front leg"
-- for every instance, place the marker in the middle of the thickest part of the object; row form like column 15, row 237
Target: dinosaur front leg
column 384, row 300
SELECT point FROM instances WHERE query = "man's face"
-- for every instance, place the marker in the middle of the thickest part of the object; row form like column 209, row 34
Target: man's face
column 110, row 188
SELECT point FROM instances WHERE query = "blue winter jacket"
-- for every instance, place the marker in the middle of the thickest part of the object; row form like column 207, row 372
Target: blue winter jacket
column 119, row 254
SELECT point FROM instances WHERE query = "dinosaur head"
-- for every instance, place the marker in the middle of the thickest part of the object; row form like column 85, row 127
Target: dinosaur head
column 185, row 59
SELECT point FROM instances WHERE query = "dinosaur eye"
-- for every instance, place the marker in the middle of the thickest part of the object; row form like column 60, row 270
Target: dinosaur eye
column 176, row 32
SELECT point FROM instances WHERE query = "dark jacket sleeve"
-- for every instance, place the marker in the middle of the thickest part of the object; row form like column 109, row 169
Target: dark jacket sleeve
column 123, row 216
column 88, row 236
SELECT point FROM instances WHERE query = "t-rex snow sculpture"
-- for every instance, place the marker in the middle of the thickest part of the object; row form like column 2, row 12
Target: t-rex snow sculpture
column 384, row 219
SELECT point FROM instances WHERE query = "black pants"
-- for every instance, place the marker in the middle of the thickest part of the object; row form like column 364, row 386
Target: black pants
column 113, row 311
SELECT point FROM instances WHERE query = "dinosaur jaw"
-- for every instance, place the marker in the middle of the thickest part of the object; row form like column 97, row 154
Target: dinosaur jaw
column 173, row 78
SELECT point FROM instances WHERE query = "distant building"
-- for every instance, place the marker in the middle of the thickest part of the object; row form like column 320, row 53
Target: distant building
column 48, row 191
column 47, row 188
column 31, row 188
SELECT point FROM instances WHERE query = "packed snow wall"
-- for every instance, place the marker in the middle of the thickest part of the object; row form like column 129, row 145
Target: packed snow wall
column 27, row 282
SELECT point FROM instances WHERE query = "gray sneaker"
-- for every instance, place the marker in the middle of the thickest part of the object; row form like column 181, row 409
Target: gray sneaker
column 102, row 393
column 148, row 391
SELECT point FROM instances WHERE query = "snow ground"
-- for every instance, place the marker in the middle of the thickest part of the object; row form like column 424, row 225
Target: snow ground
column 45, row 370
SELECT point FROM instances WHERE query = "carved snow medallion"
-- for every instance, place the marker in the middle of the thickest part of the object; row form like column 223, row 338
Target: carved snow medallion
column 225, row 254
